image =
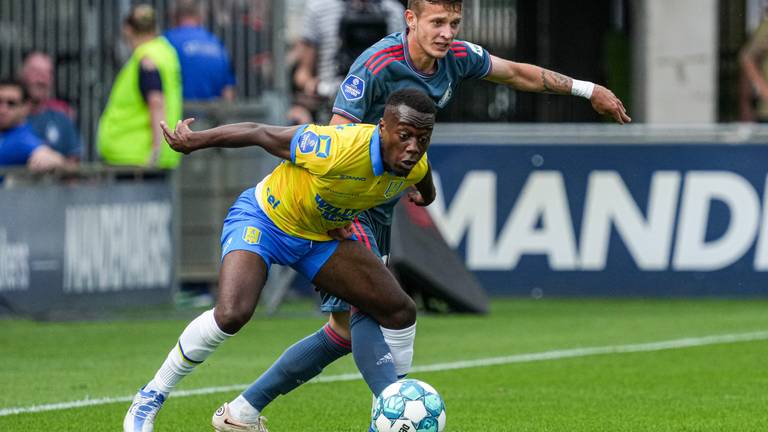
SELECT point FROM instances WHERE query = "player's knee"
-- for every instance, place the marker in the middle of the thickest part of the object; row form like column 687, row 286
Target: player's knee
column 339, row 322
column 403, row 316
column 231, row 318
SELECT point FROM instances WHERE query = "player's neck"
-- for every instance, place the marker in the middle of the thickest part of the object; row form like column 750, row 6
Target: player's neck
column 422, row 61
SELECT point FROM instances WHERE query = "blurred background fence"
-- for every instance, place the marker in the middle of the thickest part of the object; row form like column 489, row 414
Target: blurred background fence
column 84, row 39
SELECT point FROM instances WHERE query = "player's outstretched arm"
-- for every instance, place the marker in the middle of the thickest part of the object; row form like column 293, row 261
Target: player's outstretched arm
column 532, row 78
column 274, row 139
column 425, row 190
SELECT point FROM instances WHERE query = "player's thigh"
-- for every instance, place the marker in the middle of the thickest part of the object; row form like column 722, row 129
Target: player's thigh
column 241, row 278
column 356, row 275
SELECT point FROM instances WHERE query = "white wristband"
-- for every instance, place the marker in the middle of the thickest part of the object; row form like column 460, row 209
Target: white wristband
column 582, row 88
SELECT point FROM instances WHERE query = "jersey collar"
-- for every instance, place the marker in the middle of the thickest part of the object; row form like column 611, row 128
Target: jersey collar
column 376, row 163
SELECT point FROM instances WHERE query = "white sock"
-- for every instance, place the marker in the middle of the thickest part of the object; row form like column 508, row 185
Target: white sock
column 242, row 410
column 201, row 337
column 401, row 344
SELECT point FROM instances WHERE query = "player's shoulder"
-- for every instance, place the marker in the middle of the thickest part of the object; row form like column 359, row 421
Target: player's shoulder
column 462, row 49
column 384, row 52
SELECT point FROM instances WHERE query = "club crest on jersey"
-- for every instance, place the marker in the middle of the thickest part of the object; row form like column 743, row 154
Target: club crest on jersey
column 393, row 188
column 308, row 142
column 252, row 235
column 477, row 49
column 353, row 88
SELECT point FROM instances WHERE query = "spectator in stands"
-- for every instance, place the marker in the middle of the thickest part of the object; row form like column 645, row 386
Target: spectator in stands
column 50, row 118
column 205, row 65
column 334, row 34
column 38, row 75
column 19, row 145
column 146, row 91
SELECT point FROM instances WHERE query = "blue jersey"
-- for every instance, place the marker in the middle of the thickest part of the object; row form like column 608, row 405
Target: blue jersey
column 386, row 67
column 17, row 144
column 58, row 131
column 205, row 65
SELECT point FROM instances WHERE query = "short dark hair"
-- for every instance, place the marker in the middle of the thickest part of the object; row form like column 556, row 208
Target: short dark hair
column 417, row 5
column 412, row 98
column 187, row 9
column 15, row 82
column 142, row 19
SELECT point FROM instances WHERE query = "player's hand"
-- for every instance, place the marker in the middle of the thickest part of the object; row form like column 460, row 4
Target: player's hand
column 181, row 138
column 342, row 233
column 606, row 103
column 415, row 197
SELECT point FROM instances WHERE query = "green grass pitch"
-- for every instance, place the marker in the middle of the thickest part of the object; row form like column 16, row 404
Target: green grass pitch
column 715, row 386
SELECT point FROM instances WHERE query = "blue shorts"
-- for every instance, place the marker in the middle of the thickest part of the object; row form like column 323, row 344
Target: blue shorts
column 247, row 227
column 372, row 235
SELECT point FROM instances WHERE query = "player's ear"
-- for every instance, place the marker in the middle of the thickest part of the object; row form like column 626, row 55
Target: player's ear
column 410, row 19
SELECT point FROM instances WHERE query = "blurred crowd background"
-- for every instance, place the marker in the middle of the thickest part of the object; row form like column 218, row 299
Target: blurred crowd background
column 600, row 40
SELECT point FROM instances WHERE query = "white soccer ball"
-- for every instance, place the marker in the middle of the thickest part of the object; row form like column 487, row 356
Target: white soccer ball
column 409, row 405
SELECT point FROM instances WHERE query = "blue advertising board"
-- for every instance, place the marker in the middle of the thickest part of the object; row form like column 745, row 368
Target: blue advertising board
column 608, row 219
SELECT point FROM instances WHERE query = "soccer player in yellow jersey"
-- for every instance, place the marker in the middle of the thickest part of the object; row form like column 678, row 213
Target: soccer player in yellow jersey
column 330, row 174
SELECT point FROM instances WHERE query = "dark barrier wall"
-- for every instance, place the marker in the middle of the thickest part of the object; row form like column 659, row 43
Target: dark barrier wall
column 677, row 213
column 85, row 247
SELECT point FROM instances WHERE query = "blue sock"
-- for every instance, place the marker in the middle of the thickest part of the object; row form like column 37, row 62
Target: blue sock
column 371, row 352
column 301, row 362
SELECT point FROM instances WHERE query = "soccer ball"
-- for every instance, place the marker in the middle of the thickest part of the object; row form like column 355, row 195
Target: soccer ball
column 409, row 405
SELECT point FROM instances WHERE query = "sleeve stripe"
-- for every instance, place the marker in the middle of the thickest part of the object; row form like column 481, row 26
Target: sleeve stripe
column 346, row 114
column 384, row 57
column 390, row 60
column 384, row 51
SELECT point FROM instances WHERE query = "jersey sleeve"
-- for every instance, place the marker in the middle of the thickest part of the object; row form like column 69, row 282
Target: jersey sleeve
column 473, row 60
column 357, row 92
column 316, row 148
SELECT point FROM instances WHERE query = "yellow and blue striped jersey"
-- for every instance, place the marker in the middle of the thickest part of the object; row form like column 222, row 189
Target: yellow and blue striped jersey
column 335, row 172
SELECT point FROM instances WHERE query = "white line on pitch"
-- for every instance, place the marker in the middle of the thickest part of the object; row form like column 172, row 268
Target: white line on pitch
column 492, row 361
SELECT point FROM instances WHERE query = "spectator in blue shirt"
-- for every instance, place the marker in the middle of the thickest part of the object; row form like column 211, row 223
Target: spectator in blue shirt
column 206, row 71
column 19, row 146
column 47, row 117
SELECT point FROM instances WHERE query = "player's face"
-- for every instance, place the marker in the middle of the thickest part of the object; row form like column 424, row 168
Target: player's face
column 405, row 135
column 435, row 27
column 12, row 107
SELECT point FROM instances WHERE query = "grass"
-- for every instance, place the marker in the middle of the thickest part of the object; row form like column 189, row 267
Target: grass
column 718, row 387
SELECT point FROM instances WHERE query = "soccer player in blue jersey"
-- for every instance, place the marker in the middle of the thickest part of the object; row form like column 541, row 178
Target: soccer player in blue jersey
column 427, row 56
column 330, row 174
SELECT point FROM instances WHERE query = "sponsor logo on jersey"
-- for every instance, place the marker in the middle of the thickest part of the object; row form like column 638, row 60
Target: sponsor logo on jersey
column 332, row 213
column 477, row 49
column 252, row 235
column 393, row 188
column 308, row 142
column 446, row 96
column 354, row 178
column 353, row 88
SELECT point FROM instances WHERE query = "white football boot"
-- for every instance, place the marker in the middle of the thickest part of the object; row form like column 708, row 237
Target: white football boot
column 142, row 412
column 224, row 422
